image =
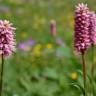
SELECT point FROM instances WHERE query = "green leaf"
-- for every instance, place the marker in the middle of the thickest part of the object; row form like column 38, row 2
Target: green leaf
column 50, row 73
column 79, row 87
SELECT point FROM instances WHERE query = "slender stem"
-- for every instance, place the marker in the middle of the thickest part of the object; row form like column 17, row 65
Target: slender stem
column 1, row 80
column 84, row 71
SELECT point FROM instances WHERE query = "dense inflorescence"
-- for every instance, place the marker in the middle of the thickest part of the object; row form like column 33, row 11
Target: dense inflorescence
column 7, row 41
column 92, row 28
column 82, row 22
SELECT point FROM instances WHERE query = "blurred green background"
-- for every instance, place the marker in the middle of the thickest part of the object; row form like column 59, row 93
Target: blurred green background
column 43, row 65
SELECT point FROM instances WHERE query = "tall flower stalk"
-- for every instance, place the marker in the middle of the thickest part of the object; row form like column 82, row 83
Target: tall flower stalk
column 7, row 45
column 81, row 37
column 92, row 33
column 2, row 71
column 84, row 71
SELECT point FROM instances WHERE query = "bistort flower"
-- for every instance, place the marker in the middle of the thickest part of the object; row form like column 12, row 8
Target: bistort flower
column 53, row 27
column 92, row 28
column 81, row 37
column 7, row 41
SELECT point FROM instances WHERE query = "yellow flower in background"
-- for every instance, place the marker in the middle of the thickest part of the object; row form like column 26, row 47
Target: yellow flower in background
column 74, row 76
column 37, row 50
column 49, row 45
column 38, row 46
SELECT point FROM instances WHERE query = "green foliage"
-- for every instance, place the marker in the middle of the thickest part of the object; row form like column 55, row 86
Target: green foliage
column 43, row 70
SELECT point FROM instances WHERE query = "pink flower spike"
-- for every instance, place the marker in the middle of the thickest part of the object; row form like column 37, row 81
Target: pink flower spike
column 81, row 36
column 92, row 28
column 53, row 27
column 7, row 41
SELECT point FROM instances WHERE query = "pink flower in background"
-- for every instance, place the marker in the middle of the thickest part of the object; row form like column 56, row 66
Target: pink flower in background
column 92, row 28
column 59, row 41
column 22, row 46
column 30, row 42
column 26, row 45
column 81, row 37
column 7, row 41
column 53, row 27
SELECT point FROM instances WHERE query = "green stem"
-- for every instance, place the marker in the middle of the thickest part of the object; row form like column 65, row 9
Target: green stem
column 84, row 71
column 1, row 79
